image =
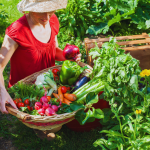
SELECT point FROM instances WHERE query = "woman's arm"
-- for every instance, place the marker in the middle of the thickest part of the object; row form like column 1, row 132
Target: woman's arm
column 8, row 48
column 59, row 52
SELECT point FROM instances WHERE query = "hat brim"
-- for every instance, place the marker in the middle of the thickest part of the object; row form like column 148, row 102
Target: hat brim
column 47, row 6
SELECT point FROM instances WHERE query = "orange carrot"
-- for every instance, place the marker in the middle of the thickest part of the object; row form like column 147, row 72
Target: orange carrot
column 60, row 94
column 66, row 101
column 71, row 97
column 56, row 96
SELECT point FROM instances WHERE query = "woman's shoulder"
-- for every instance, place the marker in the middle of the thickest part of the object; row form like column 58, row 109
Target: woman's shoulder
column 18, row 25
column 17, row 29
column 54, row 22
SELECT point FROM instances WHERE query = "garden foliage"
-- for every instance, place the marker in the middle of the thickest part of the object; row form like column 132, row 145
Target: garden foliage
column 126, row 124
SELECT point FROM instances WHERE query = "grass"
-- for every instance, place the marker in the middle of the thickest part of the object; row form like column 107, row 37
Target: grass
column 24, row 137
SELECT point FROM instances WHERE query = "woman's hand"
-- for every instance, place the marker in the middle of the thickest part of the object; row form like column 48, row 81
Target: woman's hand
column 78, row 57
column 5, row 98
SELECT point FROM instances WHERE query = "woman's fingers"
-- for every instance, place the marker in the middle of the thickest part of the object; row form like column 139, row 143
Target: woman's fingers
column 3, row 108
column 78, row 57
column 13, row 104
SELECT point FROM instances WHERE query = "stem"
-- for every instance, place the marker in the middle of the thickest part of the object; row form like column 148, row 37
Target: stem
column 87, row 90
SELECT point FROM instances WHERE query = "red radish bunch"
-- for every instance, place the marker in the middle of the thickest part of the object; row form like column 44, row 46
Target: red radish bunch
column 46, row 109
column 70, row 51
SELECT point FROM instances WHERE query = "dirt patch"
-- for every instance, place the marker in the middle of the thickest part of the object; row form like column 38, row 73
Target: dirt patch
column 6, row 144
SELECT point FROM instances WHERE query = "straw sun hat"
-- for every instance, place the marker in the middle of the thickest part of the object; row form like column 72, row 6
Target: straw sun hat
column 41, row 5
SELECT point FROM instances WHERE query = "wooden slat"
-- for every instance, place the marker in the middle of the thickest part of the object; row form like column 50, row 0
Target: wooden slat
column 87, row 40
column 134, row 42
column 145, row 47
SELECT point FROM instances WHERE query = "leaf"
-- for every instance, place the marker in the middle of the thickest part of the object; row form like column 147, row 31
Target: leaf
column 79, row 116
column 134, row 82
column 75, row 106
column 91, row 98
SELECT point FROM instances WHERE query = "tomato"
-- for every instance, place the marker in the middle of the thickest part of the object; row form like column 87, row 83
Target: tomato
column 15, row 102
column 20, row 104
column 68, row 88
column 56, row 77
column 27, row 102
column 49, row 98
column 55, row 71
column 29, row 108
column 18, row 100
column 64, row 89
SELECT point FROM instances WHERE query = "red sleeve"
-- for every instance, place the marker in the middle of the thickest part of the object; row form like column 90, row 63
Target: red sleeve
column 16, row 31
column 54, row 22
column 12, row 32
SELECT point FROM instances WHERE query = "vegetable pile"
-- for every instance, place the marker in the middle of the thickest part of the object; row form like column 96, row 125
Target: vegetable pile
column 59, row 91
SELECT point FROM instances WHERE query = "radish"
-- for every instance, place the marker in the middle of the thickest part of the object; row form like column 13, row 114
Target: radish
column 70, row 51
column 43, row 99
column 55, row 107
column 38, row 105
column 41, row 111
column 50, row 112
column 45, row 105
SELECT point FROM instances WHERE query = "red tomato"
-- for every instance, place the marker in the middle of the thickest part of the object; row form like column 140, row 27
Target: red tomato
column 56, row 77
column 20, row 104
column 18, row 100
column 55, row 71
column 15, row 102
column 27, row 102
column 49, row 98
column 29, row 108
column 64, row 89
column 68, row 88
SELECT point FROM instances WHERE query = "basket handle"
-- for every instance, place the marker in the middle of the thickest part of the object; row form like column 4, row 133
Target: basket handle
column 17, row 113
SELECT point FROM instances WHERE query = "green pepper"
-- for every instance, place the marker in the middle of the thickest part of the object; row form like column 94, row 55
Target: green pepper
column 70, row 72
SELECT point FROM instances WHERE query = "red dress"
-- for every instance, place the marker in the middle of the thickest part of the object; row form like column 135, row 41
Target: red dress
column 31, row 55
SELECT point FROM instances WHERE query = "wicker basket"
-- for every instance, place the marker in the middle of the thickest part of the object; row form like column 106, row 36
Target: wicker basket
column 43, row 122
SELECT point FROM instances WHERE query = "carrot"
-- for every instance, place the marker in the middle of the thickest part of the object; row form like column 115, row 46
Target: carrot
column 56, row 96
column 60, row 94
column 71, row 97
column 66, row 101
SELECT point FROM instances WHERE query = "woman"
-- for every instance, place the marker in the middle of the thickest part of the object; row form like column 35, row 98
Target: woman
column 30, row 43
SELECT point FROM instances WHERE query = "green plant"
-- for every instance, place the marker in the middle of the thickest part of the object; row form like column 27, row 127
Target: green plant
column 76, row 18
column 131, row 132
column 114, row 13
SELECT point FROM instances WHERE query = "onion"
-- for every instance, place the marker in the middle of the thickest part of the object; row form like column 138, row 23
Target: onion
column 41, row 111
column 70, row 51
column 50, row 112
column 38, row 105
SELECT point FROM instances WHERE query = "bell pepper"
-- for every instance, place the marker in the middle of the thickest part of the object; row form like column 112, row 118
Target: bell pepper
column 70, row 72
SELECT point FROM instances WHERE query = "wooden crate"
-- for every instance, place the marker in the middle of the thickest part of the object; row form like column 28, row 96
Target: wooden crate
column 129, row 43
